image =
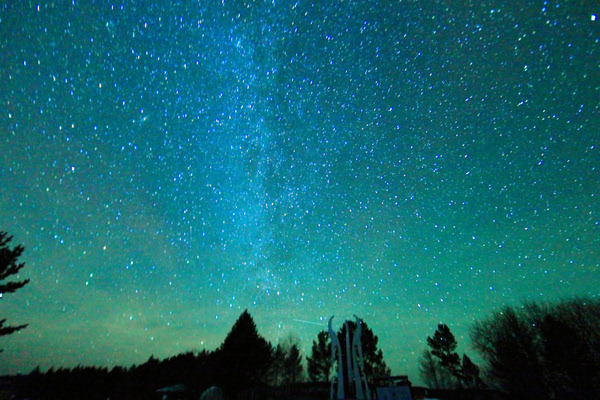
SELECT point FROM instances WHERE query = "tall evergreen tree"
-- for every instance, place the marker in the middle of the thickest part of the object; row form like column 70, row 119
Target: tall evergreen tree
column 9, row 266
column 244, row 358
column 319, row 363
column 293, row 371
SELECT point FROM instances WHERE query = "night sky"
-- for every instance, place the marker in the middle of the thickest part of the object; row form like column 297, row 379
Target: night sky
column 169, row 164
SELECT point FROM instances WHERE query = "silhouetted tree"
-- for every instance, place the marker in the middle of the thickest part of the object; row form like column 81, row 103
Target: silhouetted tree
column 543, row 351
column 293, row 372
column 9, row 266
column 507, row 341
column 375, row 365
column 319, row 363
column 432, row 373
column 275, row 373
column 470, row 373
column 443, row 346
column 244, row 358
column 286, row 368
column 570, row 338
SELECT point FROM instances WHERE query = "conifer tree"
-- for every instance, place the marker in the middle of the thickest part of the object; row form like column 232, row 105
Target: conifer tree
column 319, row 363
column 292, row 366
column 244, row 358
column 9, row 266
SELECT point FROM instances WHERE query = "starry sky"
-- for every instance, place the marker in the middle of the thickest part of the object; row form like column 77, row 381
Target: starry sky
column 169, row 164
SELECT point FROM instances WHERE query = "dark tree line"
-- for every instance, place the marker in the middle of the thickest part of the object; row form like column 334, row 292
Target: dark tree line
column 138, row 382
column 535, row 351
column 245, row 365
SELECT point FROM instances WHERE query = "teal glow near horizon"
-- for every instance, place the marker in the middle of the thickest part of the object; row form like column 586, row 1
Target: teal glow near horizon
column 167, row 166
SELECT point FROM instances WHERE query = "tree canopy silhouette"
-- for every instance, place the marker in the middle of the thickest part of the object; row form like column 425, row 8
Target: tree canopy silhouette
column 9, row 266
column 244, row 358
column 443, row 346
column 287, row 368
column 432, row 373
column 543, row 350
column 319, row 362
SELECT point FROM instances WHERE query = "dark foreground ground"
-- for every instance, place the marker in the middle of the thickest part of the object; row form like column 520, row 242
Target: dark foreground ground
column 13, row 388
